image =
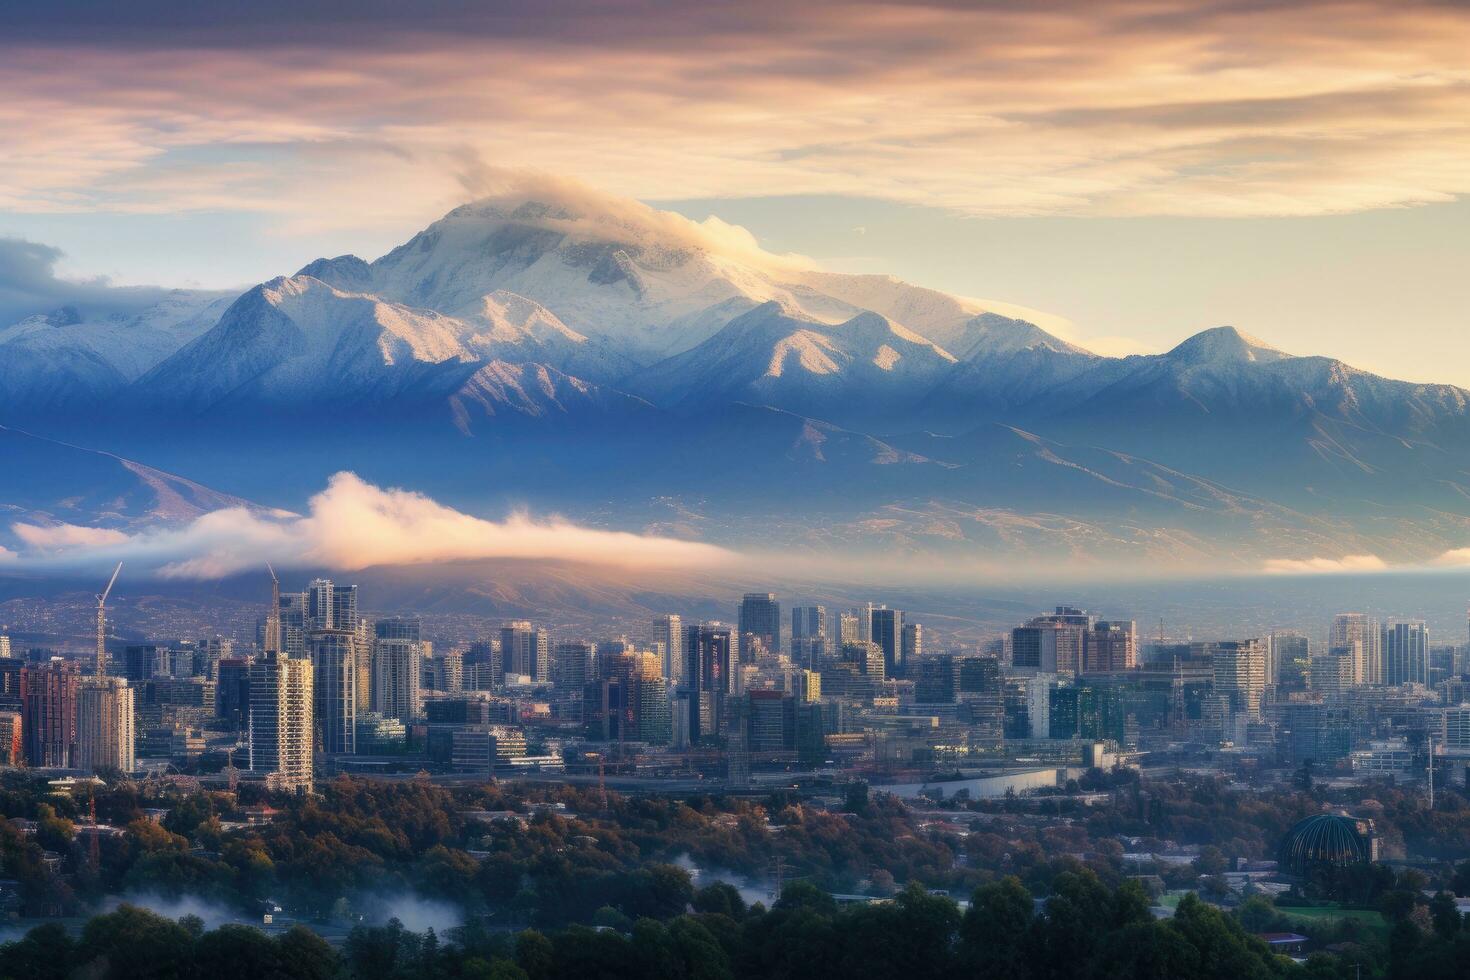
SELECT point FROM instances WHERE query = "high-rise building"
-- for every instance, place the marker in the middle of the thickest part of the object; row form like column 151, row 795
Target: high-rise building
column 526, row 650
column 333, row 656
column 770, row 721
column 1051, row 644
column 5, row 653
column 938, row 680
column 808, row 635
column 397, row 671
column 853, row 627
column 105, row 736
column 911, row 648
column 1406, row 652
column 886, row 630
column 444, row 672
column 10, row 669
column 232, row 691
column 12, row 747
column 292, row 620
column 209, row 651
column 1110, row 646
column 868, row 658
column 668, row 639
column 576, row 662
column 483, row 666
column 144, row 661
column 1331, row 674
column 1239, row 668
column 49, row 712
column 1288, row 659
column 1359, row 635
column 707, row 674
column 280, row 724
column 760, row 625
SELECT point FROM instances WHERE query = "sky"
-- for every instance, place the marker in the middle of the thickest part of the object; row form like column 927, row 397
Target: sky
column 1143, row 168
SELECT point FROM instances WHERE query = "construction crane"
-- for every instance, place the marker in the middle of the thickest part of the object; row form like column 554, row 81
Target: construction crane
column 101, row 665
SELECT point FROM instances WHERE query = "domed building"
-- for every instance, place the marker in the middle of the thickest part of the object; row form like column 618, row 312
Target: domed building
column 1326, row 840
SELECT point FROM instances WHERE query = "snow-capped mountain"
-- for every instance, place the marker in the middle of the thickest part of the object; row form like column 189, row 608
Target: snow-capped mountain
column 65, row 359
column 595, row 355
column 867, row 369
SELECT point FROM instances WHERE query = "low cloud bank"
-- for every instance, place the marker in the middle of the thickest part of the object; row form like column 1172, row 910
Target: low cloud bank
column 349, row 526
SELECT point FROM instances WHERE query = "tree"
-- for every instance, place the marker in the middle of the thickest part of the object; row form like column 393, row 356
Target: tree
column 236, row 952
column 307, row 956
column 1446, row 916
column 721, row 898
column 993, row 934
column 535, row 955
column 45, row 953
column 134, row 942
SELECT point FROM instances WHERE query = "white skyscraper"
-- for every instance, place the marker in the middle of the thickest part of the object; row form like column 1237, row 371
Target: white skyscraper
column 1358, row 634
column 669, row 632
column 105, row 735
column 397, row 670
column 280, row 727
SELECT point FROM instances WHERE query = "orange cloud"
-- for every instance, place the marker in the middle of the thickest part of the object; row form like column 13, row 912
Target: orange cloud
column 349, row 526
column 1112, row 107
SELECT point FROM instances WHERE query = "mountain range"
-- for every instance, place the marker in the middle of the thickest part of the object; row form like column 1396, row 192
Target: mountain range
column 629, row 367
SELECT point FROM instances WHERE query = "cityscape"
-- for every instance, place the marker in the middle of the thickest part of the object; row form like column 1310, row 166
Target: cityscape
column 627, row 489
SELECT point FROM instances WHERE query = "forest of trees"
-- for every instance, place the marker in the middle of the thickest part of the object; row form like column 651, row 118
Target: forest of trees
column 603, row 882
column 1084, row 930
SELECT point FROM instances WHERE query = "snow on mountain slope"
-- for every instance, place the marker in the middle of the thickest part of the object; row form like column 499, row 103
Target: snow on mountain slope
column 299, row 341
column 653, row 282
column 866, row 368
column 505, row 326
column 67, row 360
column 537, row 391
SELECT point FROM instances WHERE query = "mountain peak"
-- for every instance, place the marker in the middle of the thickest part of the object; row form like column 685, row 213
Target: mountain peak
column 1225, row 345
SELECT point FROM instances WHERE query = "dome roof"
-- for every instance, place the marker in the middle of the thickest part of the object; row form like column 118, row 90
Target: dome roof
column 1324, row 839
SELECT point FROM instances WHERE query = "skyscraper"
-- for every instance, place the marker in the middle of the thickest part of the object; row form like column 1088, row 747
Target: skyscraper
column 333, row 654
column 808, row 635
column 1406, row 653
column 911, row 649
column 232, row 692
column 575, row 664
column 707, row 679
column 526, row 650
column 105, row 736
column 397, row 669
column 1051, row 644
column 1288, row 658
column 49, row 712
column 886, row 630
column 1109, row 647
column 760, row 624
column 668, row 631
column 1240, row 673
column 1359, row 635
column 280, row 726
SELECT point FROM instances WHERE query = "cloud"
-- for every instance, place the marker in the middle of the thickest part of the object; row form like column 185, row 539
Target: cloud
column 1454, row 558
column 1224, row 107
column 585, row 213
column 349, row 526
column 1348, row 564
column 66, row 537
column 29, row 284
